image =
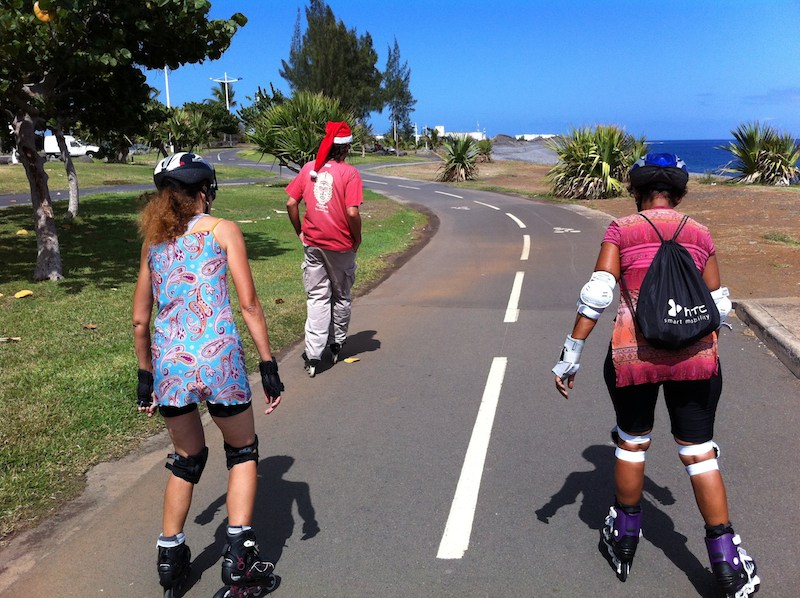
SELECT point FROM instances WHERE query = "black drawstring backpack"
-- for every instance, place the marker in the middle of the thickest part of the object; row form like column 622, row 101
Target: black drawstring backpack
column 675, row 307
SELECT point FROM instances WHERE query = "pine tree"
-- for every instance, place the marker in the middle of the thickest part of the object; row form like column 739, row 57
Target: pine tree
column 397, row 92
column 334, row 61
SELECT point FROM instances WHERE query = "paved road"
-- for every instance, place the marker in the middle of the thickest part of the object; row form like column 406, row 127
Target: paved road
column 443, row 463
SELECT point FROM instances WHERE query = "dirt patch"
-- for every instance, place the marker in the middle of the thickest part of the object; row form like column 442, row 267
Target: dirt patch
column 742, row 218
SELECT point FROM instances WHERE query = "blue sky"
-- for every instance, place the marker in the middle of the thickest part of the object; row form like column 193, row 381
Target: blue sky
column 679, row 69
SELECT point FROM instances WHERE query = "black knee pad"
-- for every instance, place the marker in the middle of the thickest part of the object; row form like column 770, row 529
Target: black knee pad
column 188, row 468
column 234, row 456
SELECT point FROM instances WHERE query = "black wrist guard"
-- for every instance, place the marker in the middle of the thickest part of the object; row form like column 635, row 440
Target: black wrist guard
column 144, row 390
column 270, row 379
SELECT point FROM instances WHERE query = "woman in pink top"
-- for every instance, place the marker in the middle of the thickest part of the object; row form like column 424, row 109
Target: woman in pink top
column 634, row 371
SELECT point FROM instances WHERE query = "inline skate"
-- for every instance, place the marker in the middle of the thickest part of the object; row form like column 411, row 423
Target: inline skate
column 244, row 574
column 734, row 569
column 174, row 564
column 620, row 536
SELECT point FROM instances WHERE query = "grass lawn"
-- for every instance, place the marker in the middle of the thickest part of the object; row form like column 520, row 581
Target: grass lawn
column 67, row 387
column 101, row 174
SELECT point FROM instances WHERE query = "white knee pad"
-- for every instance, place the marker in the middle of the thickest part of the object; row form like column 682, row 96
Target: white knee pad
column 626, row 455
column 700, row 449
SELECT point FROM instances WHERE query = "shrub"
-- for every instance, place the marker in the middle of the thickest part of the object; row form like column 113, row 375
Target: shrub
column 761, row 154
column 485, row 150
column 461, row 155
column 593, row 163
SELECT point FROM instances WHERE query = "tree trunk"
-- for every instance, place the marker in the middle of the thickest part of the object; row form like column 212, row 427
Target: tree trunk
column 48, row 254
column 72, row 176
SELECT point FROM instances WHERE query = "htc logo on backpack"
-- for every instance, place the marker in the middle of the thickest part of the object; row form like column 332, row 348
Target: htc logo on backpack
column 690, row 312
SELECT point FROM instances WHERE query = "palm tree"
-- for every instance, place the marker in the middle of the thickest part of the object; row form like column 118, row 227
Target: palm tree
column 461, row 154
column 593, row 163
column 219, row 96
column 433, row 135
column 485, row 150
column 761, row 154
column 291, row 131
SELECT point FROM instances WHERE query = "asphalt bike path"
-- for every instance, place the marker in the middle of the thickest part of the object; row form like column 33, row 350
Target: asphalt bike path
column 443, row 462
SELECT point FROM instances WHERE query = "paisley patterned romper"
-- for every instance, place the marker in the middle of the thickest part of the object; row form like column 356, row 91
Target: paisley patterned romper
column 197, row 351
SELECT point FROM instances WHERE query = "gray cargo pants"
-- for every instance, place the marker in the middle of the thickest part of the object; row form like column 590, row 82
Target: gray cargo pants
column 328, row 277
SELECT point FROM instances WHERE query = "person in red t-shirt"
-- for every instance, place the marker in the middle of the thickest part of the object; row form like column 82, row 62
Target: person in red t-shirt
column 331, row 235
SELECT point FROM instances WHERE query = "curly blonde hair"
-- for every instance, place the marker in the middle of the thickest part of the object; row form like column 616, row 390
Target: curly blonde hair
column 166, row 214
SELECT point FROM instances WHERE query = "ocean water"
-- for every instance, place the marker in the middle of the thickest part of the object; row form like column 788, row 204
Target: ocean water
column 701, row 155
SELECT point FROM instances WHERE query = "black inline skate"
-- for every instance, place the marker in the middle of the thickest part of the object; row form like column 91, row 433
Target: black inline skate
column 734, row 569
column 174, row 564
column 336, row 349
column 620, row 536
column 242, row 571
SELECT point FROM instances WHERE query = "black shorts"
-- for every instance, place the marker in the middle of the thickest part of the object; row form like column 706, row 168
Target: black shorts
column 213, row 409
column 692, row 405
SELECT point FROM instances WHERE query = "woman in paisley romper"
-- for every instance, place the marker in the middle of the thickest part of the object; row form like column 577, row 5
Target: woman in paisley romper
column 195, row 354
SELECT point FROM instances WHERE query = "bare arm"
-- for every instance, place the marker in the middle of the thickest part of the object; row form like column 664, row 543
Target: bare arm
column 293, row 208
column 354, row 222
column 231, row 239
column 607, row 261
column 142, row 310
column 711, row 274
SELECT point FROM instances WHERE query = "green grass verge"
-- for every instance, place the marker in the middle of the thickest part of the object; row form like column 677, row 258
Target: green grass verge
column 101, row 174
column 782, row 239
column 67, row 387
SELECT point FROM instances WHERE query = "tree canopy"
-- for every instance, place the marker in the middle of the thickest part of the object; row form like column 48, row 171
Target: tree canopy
column 397, row 91
column 330, row 59
column 81, row 60
column 292, row 130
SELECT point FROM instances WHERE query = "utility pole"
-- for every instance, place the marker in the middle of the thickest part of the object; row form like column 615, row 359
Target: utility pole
column 166, row 85
column 166, row 82
column 225, row 81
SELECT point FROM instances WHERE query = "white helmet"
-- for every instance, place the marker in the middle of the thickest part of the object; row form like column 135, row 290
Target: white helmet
column 186, row 168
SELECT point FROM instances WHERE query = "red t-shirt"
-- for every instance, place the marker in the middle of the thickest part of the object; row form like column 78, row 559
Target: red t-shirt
column 336, row 188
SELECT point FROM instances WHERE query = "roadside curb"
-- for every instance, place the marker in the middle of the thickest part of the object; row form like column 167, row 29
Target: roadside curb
column 775, row 335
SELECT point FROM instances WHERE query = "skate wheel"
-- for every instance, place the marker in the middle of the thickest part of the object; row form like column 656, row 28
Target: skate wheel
column 624, row 570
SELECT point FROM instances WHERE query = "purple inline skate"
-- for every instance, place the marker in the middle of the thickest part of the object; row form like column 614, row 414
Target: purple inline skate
column 734, row 569
column 620, row 535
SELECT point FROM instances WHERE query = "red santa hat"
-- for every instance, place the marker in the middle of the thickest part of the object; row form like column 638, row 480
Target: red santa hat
column 335, row 133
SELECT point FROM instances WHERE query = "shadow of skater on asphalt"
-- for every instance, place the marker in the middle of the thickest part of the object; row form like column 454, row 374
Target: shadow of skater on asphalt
column 273, row 520
column 358, row 343
column 597, row 487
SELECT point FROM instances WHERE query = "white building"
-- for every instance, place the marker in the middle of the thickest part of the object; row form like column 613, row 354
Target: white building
column 476, row 135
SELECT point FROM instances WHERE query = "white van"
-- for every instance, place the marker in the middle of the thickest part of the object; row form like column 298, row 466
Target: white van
column 76, row 146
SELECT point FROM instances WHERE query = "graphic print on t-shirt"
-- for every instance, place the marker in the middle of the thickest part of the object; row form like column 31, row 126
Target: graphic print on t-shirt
column 323, row 190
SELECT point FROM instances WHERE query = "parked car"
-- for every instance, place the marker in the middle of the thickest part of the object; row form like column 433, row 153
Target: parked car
column 76, row 147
